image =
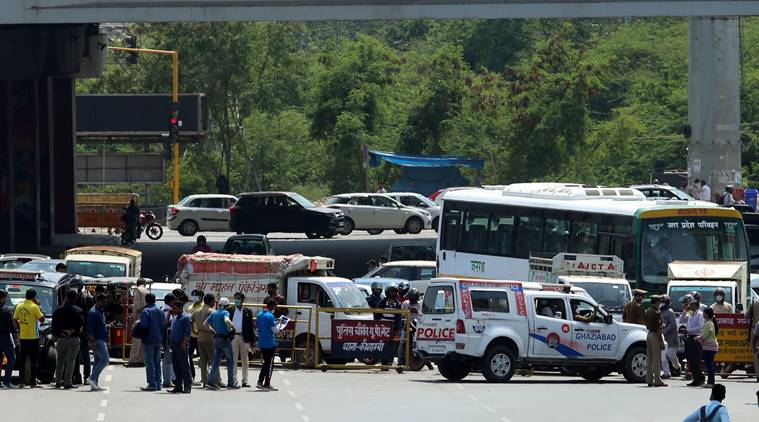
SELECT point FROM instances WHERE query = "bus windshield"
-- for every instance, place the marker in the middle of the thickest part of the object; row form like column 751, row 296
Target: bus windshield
column 688, row 239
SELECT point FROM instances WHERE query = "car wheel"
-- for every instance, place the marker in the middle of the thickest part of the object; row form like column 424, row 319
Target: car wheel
column 348, row 227
column 453, row 370
column 414, row 225
column 635, row 364
column 435, row 224
column 498, row 364
column 375, row 231
column 329, row 235
column 400, row 231
column 312, row 235
column 595, row 373
column 188, row 228
column 46, row 372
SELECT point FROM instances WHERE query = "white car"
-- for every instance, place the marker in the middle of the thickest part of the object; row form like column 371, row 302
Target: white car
column 200, row 213
column 663, row 192
column 12, row 261
column 412, row 199
column 376, row 212
column 417, row 273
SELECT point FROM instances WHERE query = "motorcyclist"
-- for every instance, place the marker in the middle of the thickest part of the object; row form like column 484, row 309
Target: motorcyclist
column 415, row 309
column 390, row 301
column 132, row 217
column 403, row 289
column 376, row 296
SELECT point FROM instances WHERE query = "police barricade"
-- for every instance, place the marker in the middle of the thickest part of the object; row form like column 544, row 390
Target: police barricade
column 360, row 343
column 291, row 354
column 734, row 348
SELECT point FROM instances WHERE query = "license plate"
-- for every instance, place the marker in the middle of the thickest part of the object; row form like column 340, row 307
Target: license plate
column 436, row 348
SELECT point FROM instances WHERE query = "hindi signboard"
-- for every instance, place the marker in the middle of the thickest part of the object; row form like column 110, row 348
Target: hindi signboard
column 353, row 339
column 733, row 339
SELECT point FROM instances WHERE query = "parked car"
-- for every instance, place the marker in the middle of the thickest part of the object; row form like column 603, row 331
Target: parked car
column 417, row 273
column 11, row 261
column 47, row 265
column 412, row 199
column 408, row 250
column 248, row 244
column 663, row 192
column 200, row 213
column 160, row 290
column 376, row 213
column 283, row 212
column 437, row 196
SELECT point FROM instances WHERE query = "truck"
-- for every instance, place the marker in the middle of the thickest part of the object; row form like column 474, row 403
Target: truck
column 103, row 261
column 496, row 327
column 601, row 276
column 705, row 277
column 304, row 281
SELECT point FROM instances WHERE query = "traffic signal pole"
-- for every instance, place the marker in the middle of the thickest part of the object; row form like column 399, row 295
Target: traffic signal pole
column 175, row 105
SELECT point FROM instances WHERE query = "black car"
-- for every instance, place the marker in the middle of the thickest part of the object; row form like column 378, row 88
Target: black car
column 248, row 244
column 283, row 212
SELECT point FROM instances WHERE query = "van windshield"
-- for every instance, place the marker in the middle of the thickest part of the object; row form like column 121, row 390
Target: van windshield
column 348, row 295
column 613, row 296
column 96, row 269
column 676, row 293
column 17, row 294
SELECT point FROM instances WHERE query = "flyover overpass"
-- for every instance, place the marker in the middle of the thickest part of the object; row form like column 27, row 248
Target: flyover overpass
column 46, row 44
column 85, row 11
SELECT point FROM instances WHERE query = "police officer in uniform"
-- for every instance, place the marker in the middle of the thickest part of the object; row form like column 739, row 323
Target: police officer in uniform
column 654, row 343
column 633, row 312
column 753, row 315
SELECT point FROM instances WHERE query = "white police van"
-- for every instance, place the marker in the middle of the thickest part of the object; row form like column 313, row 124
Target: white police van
column 498, row 326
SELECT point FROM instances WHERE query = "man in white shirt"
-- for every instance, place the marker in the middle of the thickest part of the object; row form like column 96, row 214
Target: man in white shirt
column 715, row 411
column 242, row 319
column 706, row 192
column 693, row 350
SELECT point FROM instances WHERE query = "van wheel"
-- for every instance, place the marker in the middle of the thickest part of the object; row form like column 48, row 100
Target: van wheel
column 414, row 225
column 348, row 227
column 188, row 228
column 306, row 358
column 594, row 374
column 452, row 370
column 635, row 364
column 498, row 364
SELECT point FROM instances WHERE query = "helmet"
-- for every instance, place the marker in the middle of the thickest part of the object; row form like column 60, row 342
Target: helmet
column 666, row 300
column 392, row 287
column 688, row 298
column 376, row 286
column 696, row 296
column 414, row 294
column 403, row 287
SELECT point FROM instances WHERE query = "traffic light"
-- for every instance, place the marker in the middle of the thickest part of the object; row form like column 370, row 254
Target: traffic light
column 131, row 42
column 173, row 128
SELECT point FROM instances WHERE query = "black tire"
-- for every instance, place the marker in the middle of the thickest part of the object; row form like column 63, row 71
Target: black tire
column 453, row 370
column 375, row 232
column 498, row 364
column 594, row 374
column 154, row 231
column 329, row 235
column 634, row 368
column 414, row 225
column 46, row 372
column 188, row 228
column 435, row 224
column 348, row 227
column 306, row 359
column 400, row 231
column 312, row 235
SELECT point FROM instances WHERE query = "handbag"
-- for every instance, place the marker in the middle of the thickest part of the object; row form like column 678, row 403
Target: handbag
column 139, row 330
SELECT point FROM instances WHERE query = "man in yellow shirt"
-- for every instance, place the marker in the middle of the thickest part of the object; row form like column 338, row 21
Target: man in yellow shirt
column 26, row 316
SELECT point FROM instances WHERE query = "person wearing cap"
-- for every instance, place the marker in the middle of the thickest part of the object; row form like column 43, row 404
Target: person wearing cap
column 669, row 331
column 197, row 302
column 222, row 328
column 654, row 343
column 693, row 349
column 633, row 311
column 720, row 306
column 715, row 411
column 136, row 357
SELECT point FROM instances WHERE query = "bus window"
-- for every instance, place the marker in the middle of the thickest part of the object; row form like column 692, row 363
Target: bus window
column 474, row 233
column 451, row 228
column 584, row 236
column 501, row 233
column 529, row 232
column 556, row 233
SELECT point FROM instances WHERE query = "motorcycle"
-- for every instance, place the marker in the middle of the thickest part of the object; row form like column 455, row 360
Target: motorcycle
column 147, row 222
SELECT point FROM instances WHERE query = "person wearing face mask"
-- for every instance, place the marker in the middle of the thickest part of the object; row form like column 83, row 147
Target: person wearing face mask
column 222, row 327
column 196, row 298
column 693, row 349
column 242, row 319
column 669, row 331
column 720, row 306
column 633, row 311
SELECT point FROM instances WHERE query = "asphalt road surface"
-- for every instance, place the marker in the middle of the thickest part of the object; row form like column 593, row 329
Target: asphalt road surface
column 373, row 396
column 350, row 252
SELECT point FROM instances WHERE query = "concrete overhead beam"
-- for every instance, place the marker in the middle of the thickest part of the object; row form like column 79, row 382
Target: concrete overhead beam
column 83, row 11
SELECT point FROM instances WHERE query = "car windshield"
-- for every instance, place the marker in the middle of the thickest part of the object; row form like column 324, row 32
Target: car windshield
column 245, row 247
column 17, row 294
column 689, row 239
column 682, row 195
column 676, row 293
column 348, row 295
column 302, row 201
column 11, row 265
column 611, row 295
column 412, row 253
column 96, row 269
column 41, row 265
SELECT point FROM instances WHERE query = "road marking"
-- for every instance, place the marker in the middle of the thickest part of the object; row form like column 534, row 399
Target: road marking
column 298, row 406
column 472, row 397
column 106, row 390
column 110, row 368
column 108, row 378
column 504, row 419
column 461, row 387
column 286, row 382
column 292, row 393
column 305, row 418
column 104, row 403
column 101, row 417
column 489, row 409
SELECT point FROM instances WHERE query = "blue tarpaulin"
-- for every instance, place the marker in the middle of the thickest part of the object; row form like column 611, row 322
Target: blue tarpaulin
column 375, row 157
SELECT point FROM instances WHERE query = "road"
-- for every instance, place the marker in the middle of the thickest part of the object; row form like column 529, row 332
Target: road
column 350, row 252
column 372, row 396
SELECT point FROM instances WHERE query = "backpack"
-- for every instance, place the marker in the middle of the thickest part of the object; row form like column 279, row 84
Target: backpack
column 712, row 414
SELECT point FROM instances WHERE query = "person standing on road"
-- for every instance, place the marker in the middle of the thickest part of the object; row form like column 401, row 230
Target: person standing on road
column 693, row 350
column 204, row 335
column 152, row 321
column 181, row 327
column 706, row 192
column 197, row 302
column 709, row 344
column 654, row 344
column 720, row 306
column 136, row 357
column 633, row 312
column 85, row 302
column 8, row 339
column 669, row 331
column 715, row 411
column 242, row 319
column 222, row 328
column 752, row 314
column 166, row 366
column 267, row 327
column 68, row 321
column 26, row 315
column 202, row 245
column 97, row 334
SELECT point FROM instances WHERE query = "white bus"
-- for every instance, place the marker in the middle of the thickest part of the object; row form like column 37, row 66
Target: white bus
column 490, row 233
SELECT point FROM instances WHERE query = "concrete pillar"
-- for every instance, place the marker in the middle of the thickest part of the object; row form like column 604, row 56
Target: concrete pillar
column 714, row 148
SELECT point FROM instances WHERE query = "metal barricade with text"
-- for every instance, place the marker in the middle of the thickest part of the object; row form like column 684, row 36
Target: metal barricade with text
column 286, row 339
